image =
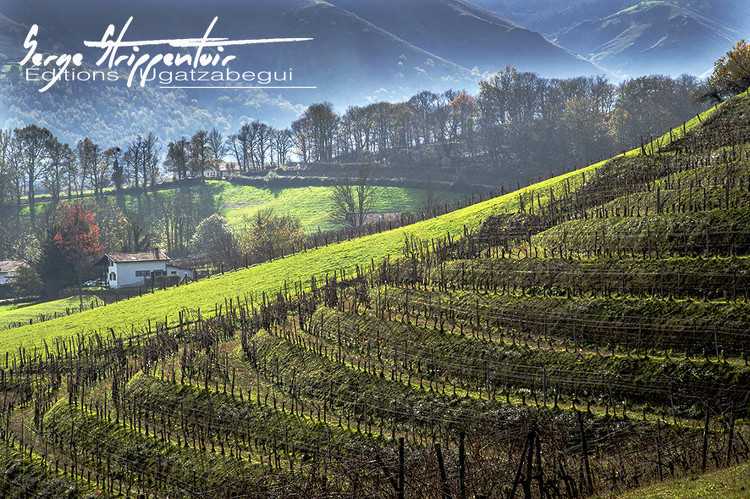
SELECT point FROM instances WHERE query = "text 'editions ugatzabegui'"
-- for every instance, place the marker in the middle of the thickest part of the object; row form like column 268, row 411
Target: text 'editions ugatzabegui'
column 137, row 57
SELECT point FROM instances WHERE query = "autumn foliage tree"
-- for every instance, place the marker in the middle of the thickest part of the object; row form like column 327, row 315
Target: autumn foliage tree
column 77, row 237
column 731, row 74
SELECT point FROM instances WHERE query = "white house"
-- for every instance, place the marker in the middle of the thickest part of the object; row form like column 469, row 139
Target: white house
column 223, row 169
column 8, row 269
column 137, row 269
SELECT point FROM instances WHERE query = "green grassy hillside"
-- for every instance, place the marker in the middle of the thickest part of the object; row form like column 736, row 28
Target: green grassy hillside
column 23, row 312
column 731, row 483
column 268, row 277
column 310, row 204
column 239, row 203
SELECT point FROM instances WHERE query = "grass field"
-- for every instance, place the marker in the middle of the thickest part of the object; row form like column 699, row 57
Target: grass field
column 22, row 312
column 732, row 483
column 311, row 205
column 270, row 276
column 238, row 203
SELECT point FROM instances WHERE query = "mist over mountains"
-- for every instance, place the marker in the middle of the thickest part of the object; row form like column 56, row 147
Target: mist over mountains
column 652, row 38
column 361, row 52
column 634, row 38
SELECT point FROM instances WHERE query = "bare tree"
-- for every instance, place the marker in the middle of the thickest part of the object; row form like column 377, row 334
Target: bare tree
column 424, row 104
column 352, row 198
column 200, row 153
column 151, row 150
column 179, row 215
column 93, row 164
column 365, row 193
column 242, row 147
column 132, row 160
column 323, row 122
column 32, row 145
column 301, row 138
column 177, row 157
column 282, row 145
column 141, row 160
column 60, row 154
column 343, row 206
column 218, row 146
column 139, row 231
column 262, row 135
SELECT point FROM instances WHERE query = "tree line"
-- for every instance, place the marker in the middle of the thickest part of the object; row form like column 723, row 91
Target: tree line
column 518, row 123
column 515, row 118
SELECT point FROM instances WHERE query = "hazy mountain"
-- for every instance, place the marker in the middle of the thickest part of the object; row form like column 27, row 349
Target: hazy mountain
column 469, row 35
column 361, row 51
column 656, row 36
column 350, row 60
column 346, row 51
column 396, row 43
column 10, row 31
column 652, row 37
column 552, row 16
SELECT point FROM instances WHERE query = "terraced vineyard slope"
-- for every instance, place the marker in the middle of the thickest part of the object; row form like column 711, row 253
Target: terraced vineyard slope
column 587, row 335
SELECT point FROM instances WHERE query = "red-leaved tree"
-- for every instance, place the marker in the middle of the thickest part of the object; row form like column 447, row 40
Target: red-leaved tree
column 78, row 237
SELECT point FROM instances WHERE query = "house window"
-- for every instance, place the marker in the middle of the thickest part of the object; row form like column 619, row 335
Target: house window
column 112, row 276
column 174, row 272
column 143, row 273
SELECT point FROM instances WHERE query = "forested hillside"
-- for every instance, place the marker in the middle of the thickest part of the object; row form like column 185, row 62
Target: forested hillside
column 518, row 126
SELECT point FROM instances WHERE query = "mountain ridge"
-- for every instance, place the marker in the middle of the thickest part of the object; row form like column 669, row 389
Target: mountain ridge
column 495, row 41
column 350, row 61
column 651, row 37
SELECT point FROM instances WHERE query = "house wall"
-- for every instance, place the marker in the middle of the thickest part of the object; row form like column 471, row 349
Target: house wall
column 180, row 272
column 125, row 272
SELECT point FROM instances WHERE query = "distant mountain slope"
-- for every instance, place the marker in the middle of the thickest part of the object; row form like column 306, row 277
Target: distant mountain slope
column 346, row 50
column 470, row 36
column 350, row 61
column 361, row 51
column 652, row 37
column 551, row 16
column 671, row 37
column 10, row 31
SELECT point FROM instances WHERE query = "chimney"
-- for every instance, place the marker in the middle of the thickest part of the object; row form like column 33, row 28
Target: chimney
column 156, row 253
